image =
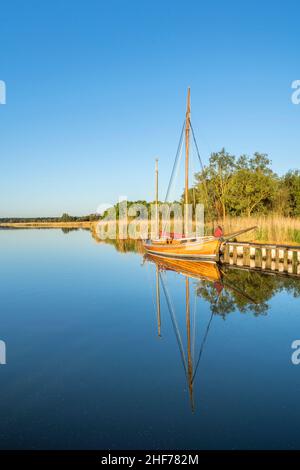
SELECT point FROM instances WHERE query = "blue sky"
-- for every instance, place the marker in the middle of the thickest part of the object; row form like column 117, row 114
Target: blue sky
column 96, row 90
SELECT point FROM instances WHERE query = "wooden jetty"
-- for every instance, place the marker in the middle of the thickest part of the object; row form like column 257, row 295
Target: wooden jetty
column 284, row 259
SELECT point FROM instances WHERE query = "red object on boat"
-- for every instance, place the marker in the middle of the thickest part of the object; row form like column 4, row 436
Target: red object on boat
column 218, row 232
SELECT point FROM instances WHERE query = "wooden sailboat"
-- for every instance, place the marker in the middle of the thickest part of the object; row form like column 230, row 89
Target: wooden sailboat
column 202, row 248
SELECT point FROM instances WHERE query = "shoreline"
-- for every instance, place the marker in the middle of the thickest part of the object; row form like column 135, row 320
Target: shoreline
column 47, row 225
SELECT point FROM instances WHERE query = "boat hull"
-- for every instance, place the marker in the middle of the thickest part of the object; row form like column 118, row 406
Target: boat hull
column 207, row 249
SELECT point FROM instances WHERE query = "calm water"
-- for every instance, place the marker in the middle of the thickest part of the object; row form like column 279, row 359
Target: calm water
column 87, row 369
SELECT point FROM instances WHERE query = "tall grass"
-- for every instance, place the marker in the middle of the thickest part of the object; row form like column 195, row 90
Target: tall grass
column 271, row 229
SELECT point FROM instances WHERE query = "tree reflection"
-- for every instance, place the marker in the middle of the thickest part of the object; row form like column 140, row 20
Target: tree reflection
column 245, row 291
column 127, row 245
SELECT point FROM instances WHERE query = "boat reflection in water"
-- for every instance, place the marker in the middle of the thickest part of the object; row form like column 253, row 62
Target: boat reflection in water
column 212, row 280
column 189, row 269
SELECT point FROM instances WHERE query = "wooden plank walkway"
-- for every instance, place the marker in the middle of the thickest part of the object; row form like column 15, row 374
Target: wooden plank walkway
column 283, row 259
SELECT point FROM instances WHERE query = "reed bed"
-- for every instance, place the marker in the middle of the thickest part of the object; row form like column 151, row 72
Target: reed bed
column 271, row 229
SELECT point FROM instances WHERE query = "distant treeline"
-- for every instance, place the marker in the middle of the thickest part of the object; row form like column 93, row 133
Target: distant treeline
column 64, row 218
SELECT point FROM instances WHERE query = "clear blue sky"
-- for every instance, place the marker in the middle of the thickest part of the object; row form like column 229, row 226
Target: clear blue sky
column 97, row 89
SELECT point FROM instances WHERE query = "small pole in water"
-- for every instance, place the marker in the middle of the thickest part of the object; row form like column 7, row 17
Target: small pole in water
column 156, row 201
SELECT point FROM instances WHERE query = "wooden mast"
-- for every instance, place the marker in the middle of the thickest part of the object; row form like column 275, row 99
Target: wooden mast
column 156, row 201
column 187, row 142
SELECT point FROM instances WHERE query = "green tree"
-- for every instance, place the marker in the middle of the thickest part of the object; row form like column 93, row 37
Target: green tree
column 214, row 182
column 253, row 185
column 291, row 183
column 66, row 217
